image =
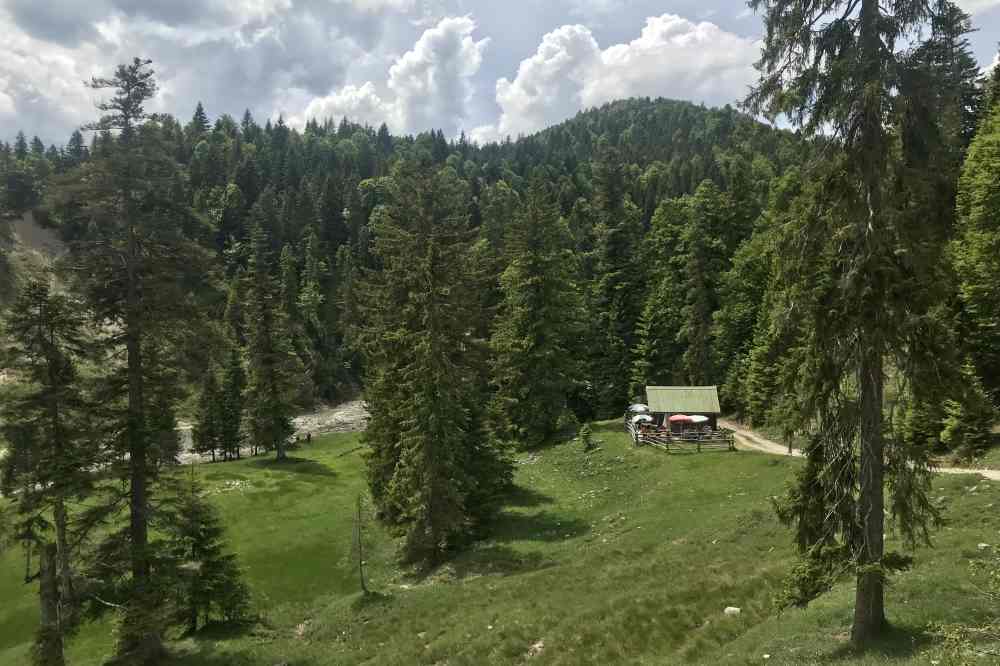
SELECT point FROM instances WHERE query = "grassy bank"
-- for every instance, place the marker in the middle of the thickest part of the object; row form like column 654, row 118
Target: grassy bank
column 619, row 556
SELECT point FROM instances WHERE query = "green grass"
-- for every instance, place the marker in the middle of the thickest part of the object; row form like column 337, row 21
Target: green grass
column 620, row 556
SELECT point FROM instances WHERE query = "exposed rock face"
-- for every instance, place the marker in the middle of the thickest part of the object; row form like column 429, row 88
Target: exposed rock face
column 346, row 417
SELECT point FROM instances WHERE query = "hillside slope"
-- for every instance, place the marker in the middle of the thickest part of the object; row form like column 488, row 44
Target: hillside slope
column 619, row 556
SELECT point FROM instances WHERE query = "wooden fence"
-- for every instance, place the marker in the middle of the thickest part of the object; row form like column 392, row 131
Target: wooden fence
column 688, row 442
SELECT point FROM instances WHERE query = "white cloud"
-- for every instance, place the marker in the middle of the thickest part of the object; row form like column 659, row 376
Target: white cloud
column 379, row 5
column 548, row 84
column 43, row 83
column 359, row 104
column 6, row 101
column 978, row 6
column 429, row 86
column 432, row 82
column 672, row 57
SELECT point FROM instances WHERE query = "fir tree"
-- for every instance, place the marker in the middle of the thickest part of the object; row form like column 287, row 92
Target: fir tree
column 968, row 421
column 536, row 355
column 433, row 472
column 207, row 432
column 47, row 424
column 20, row 146
column 707, row 243
column 199, row 125
column 233, row 384
column 131, row 260
column 836, row 65
column 272, row 367
column 659, row 349
column 209, row 579
column 976, row 250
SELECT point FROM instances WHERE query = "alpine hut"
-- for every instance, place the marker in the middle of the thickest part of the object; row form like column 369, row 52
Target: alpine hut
column 680, row 407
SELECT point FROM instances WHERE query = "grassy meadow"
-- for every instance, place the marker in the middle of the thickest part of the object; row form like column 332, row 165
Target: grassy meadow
column 618, row 556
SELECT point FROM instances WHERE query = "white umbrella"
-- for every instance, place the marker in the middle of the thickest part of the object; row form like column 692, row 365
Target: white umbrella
column 643, row 418
column 638, row 408
column 698, row 418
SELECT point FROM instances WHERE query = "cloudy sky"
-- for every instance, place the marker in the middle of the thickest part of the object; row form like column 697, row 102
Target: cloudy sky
column 488, row 67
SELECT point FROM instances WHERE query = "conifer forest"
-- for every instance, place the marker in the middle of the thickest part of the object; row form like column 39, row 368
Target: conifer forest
column 186, row 293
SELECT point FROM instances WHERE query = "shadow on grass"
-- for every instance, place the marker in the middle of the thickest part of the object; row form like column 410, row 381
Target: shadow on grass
column 604, row 427
column 526, row 497
column 207, row 655
column 207, row 646
column 370, row 600
column 360, row 447
column 222, row 631
column 498, row 560
column 296, row 465
column 542, row 526
column 898, row 642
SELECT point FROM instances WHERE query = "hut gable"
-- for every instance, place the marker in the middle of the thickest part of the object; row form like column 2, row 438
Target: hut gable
column 683, row 400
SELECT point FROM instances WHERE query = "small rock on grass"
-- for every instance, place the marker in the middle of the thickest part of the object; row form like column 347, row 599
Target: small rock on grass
column 732, row 610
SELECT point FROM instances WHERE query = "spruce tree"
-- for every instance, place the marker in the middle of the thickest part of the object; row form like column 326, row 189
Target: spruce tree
column 849, row 269
column 617, row 292
column 659, row 350
column 969, row 419
column 130, row 259
column 707, row 243
column 20, row 146
column 272, row 365
column 976, row 251
column 433, row 470
column 536, row 363
column 233, row 383
column 207, row 432
column 46, row 422
column 209, row 580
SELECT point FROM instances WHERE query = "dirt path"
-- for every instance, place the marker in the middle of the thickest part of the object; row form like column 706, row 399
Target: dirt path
column 747, row 439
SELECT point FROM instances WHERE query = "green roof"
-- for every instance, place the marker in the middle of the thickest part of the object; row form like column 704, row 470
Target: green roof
column 683, row 399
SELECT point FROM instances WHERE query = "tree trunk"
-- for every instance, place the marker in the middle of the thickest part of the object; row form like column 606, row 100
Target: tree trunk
column 869, row 601
column 281, row 441
column 67, row 603
column 48, row 649
column 140, row 639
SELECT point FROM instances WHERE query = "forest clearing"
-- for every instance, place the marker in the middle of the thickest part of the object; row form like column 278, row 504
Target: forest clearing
column 592, row 530
column 331, row 369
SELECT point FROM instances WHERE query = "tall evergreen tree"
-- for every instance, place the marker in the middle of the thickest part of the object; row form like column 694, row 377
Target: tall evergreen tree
column 207, row 432
column 618, row 290
column 707, row 243
column 209, row 580
column 53, row 456
column 432, row 470
column 20, row 146
column 130, row 258
column 536, row 363
column 976, row 251
column 233, row 384
column 851, row 271
column 272, row 367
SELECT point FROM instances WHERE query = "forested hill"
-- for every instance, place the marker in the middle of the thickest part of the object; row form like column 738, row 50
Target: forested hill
column 313, row 193
column 841, row 289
